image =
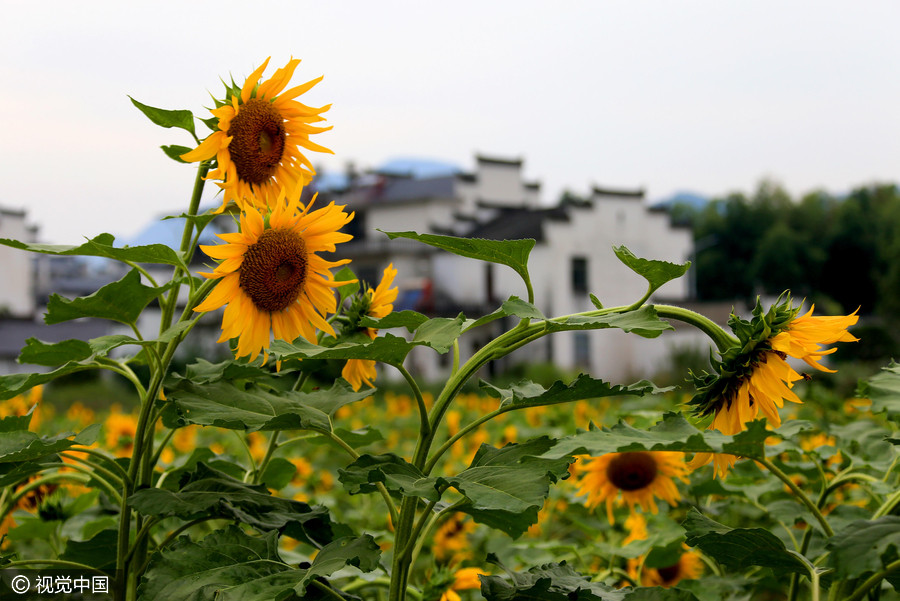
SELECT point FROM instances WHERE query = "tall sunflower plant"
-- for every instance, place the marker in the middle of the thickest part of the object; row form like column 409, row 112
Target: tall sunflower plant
column 307, row 339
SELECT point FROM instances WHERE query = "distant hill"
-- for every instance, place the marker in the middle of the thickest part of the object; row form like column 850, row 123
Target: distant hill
column 691, row 199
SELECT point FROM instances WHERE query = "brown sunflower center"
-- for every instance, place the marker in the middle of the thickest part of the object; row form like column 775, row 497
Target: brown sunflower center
column 274, row 270
column 669, row 574
column 257, row 143
column 632, row 471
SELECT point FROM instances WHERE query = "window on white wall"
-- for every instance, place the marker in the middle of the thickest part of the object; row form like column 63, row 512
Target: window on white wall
column 580, row 274
column 582, row 349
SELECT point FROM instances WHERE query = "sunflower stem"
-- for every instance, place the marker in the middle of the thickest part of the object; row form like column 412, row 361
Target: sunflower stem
column 873, row 580
column 424, row 426
column 799, row 494
column 722, row 339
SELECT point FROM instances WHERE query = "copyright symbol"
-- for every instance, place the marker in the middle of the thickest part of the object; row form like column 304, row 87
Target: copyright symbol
column 20, row 584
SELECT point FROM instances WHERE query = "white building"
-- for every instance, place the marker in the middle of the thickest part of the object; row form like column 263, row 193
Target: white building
column 572, row 258
column 17, row 291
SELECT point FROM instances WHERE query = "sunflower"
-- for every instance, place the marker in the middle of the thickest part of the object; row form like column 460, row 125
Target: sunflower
column 760, row 379
column 121, row 430
column 639, row 477
column 378, row 303
column 689, row 566
column 464, row 579
column 270, row 277
column 636, row 525
column 260, row 133
column 452, row 539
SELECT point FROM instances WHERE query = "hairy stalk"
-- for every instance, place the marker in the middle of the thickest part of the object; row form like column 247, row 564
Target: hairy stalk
column 799, row 494
column 424, row 426
column 720, row 337
column 870, row 582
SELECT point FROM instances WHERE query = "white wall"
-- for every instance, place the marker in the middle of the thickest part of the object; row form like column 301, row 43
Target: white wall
column 17, row 291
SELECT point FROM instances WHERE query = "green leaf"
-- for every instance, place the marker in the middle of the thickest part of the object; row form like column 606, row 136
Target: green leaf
column 511, row 307
column 224, row 405
column 883, row 389
column 548, row 582
column 102, row 246
column 362, row 552
column 504, row 487
column 865, row 546
column 398, row 319
column 529, row 394
column 279, row 473
column 17, row 423
column 643, row 322
column 512, row 253
column 440, row 332
column 37, row 352
column 21, row 445
column 174, row 152
column 673, row 433
column 121, row 301
column 661, row 594
column 183, row 119
column 507, row 487
column 355, row 438
column 98, row 552
column 397, row 474
column 656, row 273
column 189, row 571
column 740, row 548
column 206, row 492
column 204, row 372
column 387, row 348
column 228, row 565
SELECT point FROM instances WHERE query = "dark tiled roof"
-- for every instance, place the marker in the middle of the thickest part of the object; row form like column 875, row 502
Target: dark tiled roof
column 518, row 223
column 398, row 190
column 598, row 191
column 498, row 161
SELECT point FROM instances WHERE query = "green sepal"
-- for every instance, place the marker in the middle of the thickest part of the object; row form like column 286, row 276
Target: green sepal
column 182, row 119
column 656, row 273
column 174, row 152
column 347, row 290
column 740, row 548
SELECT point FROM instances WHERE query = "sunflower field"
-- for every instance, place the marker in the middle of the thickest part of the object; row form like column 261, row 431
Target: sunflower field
column 291, row 471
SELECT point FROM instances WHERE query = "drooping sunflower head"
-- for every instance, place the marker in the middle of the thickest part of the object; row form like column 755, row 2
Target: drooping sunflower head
column 633, row 478
column 754, row 376
column 377, row 302
column 260, row 135
column 272, row 278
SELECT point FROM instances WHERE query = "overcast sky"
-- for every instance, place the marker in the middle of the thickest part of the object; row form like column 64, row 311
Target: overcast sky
column 707, row 96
